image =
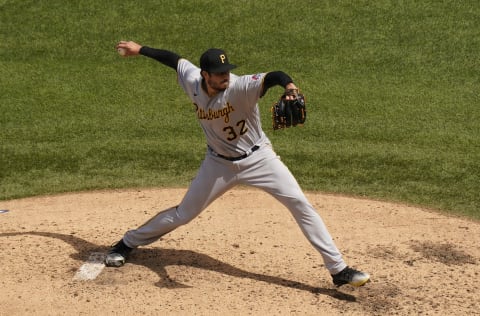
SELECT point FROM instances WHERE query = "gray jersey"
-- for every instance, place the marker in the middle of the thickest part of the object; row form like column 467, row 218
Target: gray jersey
column 231, row 119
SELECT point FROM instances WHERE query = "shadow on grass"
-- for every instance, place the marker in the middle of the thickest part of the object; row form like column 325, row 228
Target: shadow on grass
column 157, row 259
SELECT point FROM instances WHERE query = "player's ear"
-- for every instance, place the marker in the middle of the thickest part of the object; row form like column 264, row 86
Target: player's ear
column 203, row 73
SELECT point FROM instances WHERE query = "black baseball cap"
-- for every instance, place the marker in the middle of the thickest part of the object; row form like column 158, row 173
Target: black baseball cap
column 215, row 60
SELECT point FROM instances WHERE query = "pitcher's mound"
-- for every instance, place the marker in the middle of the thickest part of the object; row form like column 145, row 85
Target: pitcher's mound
column 244, row 255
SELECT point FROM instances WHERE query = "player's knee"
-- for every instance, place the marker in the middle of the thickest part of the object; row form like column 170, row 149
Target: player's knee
column 299, row 205
column 185, row 216
column 297, row 202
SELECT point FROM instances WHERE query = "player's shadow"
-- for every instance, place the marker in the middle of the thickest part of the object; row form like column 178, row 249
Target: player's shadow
column 157, row 259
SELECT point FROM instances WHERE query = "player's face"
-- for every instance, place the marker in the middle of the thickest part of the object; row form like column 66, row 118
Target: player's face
column 218, row 81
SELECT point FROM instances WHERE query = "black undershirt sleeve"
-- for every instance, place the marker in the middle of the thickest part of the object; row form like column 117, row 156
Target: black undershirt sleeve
column 275, row 78
column 166, row 57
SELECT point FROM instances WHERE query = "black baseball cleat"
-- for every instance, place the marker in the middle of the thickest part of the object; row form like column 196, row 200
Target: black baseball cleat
column 118, row 254
column 350, row 276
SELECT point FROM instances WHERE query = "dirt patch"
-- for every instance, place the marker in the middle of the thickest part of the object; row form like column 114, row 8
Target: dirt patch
column 244, row 255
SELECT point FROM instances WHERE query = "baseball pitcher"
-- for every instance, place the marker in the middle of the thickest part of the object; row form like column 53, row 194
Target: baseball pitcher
column 238, row 152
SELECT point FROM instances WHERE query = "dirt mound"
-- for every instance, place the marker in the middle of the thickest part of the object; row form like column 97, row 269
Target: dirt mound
column 244, row 255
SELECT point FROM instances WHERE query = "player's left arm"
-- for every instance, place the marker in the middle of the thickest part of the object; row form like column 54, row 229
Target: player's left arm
column 280, row 78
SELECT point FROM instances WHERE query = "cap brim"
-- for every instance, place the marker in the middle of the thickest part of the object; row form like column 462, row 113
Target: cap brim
column 222, row 68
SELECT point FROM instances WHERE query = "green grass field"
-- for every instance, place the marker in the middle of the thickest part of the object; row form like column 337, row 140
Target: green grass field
column 392, row 90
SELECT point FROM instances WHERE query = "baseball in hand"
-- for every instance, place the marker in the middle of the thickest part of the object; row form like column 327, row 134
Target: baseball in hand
column 122, row 51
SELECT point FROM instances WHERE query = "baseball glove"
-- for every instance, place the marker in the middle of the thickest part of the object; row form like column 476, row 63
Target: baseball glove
column 286, row 113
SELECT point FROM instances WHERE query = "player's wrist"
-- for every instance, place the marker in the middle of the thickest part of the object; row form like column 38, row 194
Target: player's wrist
column 291, row 89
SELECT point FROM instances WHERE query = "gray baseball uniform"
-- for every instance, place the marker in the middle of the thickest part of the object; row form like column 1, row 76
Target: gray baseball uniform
column 238, row 152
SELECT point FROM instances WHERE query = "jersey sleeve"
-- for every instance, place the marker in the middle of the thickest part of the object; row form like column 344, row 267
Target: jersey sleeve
column 251, row 87
column 188, row 77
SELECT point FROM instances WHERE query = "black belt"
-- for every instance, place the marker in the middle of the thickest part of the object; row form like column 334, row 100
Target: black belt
column 254, row 148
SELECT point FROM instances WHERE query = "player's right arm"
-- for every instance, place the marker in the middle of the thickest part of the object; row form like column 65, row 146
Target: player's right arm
column 166, row 57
